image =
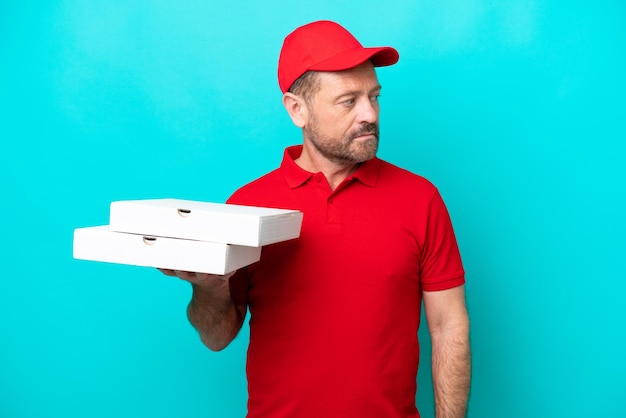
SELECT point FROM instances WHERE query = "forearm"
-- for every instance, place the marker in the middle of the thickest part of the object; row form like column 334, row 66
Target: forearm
column 451, row 367
column 214, row 315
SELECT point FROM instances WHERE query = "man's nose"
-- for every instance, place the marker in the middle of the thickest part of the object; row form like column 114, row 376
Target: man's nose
column 367, row 111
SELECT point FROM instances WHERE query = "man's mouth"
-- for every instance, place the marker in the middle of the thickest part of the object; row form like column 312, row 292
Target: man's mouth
column 366, row 134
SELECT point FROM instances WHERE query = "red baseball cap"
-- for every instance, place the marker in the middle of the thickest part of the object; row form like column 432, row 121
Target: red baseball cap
column 326, row 46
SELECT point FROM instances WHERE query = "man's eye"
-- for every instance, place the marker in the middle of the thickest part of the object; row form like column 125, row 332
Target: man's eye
column 348, row 102
column 375, row 98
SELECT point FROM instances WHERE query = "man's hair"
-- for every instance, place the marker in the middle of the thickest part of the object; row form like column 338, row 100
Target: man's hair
column 306, row 85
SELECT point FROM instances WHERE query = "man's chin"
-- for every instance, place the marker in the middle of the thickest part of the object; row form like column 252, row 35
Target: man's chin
column 365, row 151
column 361, row 158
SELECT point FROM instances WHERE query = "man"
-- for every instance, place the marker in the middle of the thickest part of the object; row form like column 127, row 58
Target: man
column 334, row 314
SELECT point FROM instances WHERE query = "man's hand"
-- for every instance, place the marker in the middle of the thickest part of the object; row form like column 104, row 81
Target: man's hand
column 211, row 310
column 203, row 280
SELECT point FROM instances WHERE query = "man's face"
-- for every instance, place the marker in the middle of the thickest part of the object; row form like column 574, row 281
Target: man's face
column 343, row 115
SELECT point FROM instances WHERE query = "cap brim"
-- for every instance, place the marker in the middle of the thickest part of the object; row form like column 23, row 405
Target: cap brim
column 380, row 57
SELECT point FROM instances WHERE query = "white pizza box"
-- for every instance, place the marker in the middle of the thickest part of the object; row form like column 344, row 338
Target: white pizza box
column 205, row 221
column 99, row 243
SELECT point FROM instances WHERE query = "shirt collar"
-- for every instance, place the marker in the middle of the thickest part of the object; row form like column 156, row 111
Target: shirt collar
column 296, row 176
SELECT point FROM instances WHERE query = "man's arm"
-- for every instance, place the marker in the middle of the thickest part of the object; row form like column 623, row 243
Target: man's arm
column 212, row 311
column 448, row 323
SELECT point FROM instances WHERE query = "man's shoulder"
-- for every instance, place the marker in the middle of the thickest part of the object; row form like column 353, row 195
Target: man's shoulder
column 394, row 175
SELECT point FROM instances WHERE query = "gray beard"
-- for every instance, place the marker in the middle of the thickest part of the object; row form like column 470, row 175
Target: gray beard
column 345, row 151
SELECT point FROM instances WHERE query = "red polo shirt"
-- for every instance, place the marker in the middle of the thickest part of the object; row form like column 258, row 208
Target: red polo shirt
column 334, row 314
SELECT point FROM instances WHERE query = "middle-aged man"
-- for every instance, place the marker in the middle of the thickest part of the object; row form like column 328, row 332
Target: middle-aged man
column 334, row 314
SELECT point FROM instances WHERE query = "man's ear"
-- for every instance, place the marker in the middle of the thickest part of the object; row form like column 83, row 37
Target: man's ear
column 297, row 109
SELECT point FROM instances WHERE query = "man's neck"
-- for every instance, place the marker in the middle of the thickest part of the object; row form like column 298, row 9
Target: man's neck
column 311, row 160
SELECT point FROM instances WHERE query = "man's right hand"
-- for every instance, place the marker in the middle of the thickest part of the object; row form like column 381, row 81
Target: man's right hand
column 211, row 310
column 203, row 280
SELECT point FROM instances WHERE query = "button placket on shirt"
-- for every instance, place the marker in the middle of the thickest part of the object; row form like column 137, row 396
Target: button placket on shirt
column 333, row 215
column 326, row 196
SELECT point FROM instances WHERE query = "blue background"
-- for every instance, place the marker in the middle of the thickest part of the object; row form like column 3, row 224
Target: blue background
column 514, row 109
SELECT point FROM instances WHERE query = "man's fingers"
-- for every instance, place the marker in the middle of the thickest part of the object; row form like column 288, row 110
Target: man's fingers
column 184, row 275
column 188, row 276
column 197, row 278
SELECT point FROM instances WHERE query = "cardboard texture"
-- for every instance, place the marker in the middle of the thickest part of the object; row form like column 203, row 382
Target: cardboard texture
column 204, row 221
column 101, row 244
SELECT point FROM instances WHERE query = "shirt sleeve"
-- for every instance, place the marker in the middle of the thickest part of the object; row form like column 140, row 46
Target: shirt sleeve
column 441, row 267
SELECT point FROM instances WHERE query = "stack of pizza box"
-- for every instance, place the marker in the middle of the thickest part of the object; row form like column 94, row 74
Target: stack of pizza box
column 185, row 235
